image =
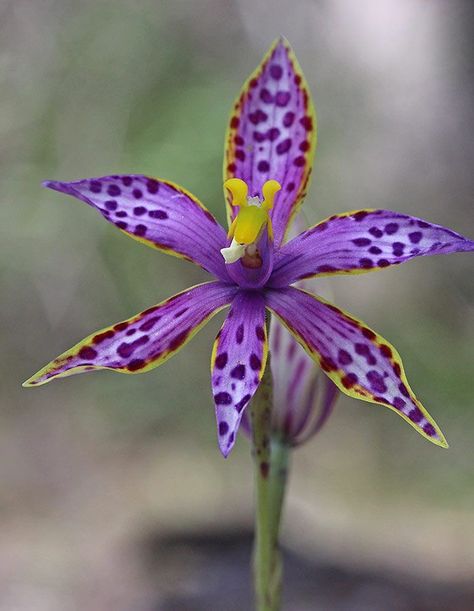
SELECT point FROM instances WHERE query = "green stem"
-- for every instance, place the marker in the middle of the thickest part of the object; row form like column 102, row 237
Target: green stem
column 271, row 459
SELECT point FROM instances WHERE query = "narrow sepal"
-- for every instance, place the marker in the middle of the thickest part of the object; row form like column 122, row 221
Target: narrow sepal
column 359, row 361
column 157, row 213
column 238, row 361
column 272, row 134
column 144, row 341
column 362, row 241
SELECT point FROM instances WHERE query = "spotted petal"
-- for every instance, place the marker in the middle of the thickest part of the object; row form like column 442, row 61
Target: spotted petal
column 360, row 362
column 238, row 361
column 362, row 241
column 157, row 213
column 144, row 341
column 272, row 134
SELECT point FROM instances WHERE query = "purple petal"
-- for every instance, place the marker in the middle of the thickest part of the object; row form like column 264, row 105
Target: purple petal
column 238, row 362
column 363, row 241
column 272, row 134
column 157, row 213
column 360, row 362
column 144, row 341
column 254, row 272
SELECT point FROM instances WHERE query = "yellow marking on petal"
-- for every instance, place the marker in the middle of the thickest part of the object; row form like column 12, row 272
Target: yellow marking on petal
column 269, row 190
column 88, row 341
column 239, row 190
column 364, row 394
column 250, row 222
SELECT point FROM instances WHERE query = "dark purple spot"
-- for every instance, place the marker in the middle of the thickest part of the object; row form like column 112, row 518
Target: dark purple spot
column 276, row 72
column 376, row 381
column 415, row 237
column 288, row 119
column 258, row 117
column 397, row 369
column 181, row 312
column 234, row 122
column 158, row 214
column 121, row 214
column 422, row 224
column 111, row 204
column 242, row 403
column 349, row 380
column 137, row 193
column 299, row 161
column 327, row 364
column 263, row 166
column 131, row 332
column 258, row 136
column 240, row 154
column 383, row 263
column 260, row 333
column 266, row 96
column 323, row 269
column 398, row 248
column 429, row 429
column 95, row 186
column 273, row 133
column 364, row 350
column 113, row 190
column 87, row 353
column 239, row 334
column 399, row 403
column 222, row 398
column 221, row 360
column 255, row 362
column 121, row 326
column 238, row 372
column 178, row 340
column 223, row 428
column 149, row 324
column 121, row 225
column 139, row 210
column 366, row 263
column 136, row 364
column 415, row 415
column 360, row 216
column 283, row 146
column 375, row 250
column 361, row 241
column 282, row 98
column 100, row 337
column 344, row 357
column 368, row 333
column 385, row 350
column 127, row 180
column 376, row 232
column 152, row 186
column 125, row 350
column 290, row 186
column 307, row 123
column 140, row 230
column 391, row 228
column 304, row 146
column 403, row 389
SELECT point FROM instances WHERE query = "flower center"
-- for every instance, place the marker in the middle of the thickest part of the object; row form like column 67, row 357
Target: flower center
column 250, row 223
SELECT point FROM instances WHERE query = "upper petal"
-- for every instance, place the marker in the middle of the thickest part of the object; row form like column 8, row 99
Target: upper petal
column 362, row 241
column 358, row 360
column 144, row 341
column 157, row 213
column 272, row 134
column 238, row 361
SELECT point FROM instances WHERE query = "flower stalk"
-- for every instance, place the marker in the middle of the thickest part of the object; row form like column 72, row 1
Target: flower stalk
column 270, row 456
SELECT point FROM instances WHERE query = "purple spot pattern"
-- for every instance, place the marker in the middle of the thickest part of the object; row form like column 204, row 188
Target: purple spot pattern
column 373, row 372
column 156, row 212
column 362, row 241
column 238, row 365
column 272, row 134
column 147, row 339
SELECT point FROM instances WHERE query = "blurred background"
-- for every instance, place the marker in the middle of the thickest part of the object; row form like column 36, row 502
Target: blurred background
column 113, row 494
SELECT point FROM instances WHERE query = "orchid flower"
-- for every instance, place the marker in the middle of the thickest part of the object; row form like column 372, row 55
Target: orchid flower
column 270, row 144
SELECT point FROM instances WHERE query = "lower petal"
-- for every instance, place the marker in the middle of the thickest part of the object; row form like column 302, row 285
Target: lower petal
column 238, row 361
column 144, row 341
column 358, row 360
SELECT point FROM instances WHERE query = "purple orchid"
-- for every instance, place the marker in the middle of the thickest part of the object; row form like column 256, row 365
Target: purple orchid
column 270, row 145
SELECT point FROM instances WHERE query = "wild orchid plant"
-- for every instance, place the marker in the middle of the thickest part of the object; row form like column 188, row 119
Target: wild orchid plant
column 270, row 145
